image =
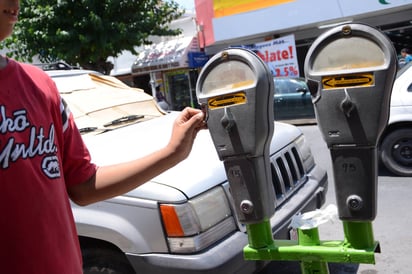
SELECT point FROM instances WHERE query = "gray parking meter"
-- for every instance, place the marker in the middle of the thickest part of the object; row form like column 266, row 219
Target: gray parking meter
column 350, row 71
column 235, row 88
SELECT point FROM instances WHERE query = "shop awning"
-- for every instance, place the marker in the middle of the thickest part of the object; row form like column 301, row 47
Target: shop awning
column 164, row 55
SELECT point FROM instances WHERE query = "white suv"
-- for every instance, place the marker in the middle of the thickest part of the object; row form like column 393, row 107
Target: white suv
column 396, row 142
column 182, row 221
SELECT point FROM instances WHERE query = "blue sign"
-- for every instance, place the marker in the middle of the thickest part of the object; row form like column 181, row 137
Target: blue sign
column 197, row 59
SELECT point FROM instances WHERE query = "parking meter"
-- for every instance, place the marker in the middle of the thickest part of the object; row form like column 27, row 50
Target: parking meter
column 350, row 70
column 235, row 89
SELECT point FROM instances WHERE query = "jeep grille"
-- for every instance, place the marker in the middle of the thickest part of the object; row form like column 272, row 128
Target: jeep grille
column 287, row 172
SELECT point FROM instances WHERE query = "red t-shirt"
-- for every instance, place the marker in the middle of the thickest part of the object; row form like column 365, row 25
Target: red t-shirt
column 41, row 152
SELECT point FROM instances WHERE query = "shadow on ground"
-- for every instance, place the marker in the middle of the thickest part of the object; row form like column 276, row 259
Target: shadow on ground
column 294, row 268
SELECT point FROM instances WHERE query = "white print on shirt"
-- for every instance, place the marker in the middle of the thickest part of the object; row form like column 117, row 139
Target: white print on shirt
column 38, row 144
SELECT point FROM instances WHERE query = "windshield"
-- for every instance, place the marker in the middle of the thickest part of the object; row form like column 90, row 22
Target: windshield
column 403, row 69
column 101, row 103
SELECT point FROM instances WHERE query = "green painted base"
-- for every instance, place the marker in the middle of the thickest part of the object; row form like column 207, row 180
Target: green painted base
column 313, row 254
column 326, row 251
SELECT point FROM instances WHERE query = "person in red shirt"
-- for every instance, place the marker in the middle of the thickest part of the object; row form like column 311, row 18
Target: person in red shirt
column 44, row 163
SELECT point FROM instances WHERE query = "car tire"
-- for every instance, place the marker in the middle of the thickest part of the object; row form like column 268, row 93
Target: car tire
column 396, row 152
column 105, row 261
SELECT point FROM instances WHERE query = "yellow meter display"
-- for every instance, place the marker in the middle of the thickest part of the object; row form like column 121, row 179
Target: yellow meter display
column 347, row 81
column 227, row 100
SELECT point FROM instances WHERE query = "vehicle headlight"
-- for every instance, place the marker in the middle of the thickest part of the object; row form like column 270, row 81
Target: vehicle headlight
column 200, row 222
column 305, row 153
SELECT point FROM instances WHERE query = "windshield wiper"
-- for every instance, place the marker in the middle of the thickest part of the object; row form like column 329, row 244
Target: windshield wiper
column 87, row 129
column 121, row 120
column 124, row 119
column 92, row 129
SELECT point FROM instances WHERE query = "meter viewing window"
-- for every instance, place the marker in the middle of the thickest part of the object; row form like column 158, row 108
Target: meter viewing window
column 335, row 56
column 228, row 76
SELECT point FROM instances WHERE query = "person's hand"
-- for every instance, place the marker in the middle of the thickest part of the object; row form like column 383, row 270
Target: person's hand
column 185, row 128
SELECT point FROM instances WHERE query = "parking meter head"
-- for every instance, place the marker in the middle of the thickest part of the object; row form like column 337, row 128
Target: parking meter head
column 235, row 88
column 350, row 70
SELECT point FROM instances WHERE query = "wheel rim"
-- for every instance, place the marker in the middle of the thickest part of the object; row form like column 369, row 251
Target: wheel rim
column 402, row 152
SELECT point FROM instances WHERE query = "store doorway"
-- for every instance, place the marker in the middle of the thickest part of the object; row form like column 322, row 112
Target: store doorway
column 181, row 85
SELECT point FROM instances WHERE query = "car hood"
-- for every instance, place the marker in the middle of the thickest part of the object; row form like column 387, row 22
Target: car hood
column 201, row 171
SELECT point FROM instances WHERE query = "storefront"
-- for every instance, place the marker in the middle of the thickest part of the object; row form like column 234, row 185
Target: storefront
column 225, row 23
column 171, row 68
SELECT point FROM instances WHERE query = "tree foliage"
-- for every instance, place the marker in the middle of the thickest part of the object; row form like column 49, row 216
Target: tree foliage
column 86, row 32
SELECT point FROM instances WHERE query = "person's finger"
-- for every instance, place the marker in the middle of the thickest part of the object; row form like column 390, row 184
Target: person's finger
column 192, row 117
column 196, row 120
column 189, row 112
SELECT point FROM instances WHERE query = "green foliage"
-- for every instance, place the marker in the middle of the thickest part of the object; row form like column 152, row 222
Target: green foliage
column 86, row 32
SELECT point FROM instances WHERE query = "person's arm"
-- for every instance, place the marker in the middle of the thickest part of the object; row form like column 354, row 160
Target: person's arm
column 110, row 181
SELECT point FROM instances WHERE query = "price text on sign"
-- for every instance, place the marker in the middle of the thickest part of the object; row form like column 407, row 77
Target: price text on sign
column 347, row 81
column 291, row 71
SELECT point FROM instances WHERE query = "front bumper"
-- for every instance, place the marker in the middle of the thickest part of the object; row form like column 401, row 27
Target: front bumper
column 226, row 256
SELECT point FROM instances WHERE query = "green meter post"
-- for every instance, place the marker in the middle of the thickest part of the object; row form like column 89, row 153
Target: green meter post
column 235, row 88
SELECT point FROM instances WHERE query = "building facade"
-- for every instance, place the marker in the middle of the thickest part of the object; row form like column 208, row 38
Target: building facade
column 224, row 23
column 172, row 64
column 168, row 69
